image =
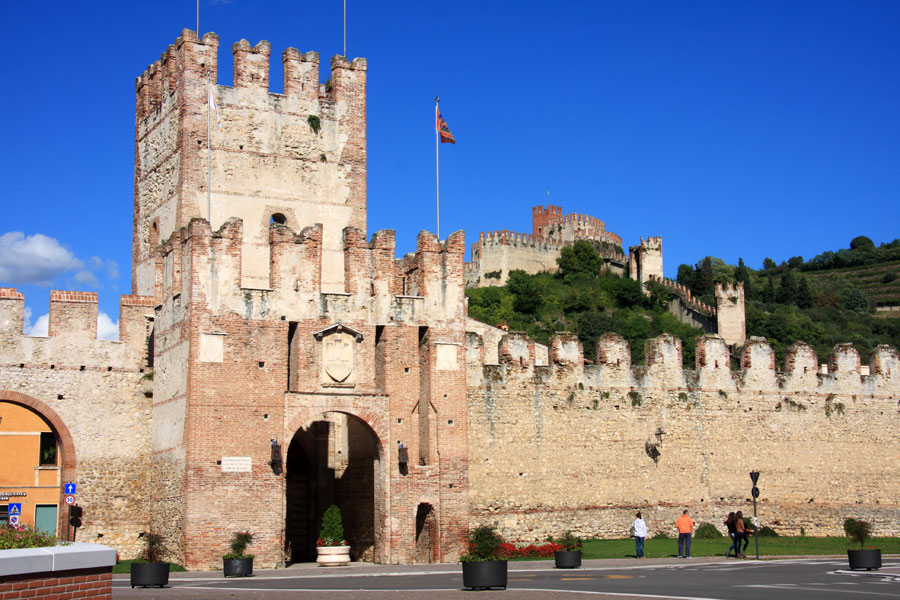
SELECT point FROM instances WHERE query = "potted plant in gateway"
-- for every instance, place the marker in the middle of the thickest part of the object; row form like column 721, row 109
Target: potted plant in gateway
column 569, row 557
column 331, row 546
column 236, row 562
column 484, row 565
column 149, row 569
column 863, row 558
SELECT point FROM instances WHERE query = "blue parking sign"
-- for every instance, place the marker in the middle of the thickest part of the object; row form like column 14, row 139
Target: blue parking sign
column 15, row 509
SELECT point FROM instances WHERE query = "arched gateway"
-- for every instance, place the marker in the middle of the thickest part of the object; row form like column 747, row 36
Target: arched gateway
column 335, row 459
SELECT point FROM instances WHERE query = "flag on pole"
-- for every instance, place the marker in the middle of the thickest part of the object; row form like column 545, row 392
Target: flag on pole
column 441, row 127
column 214, row 106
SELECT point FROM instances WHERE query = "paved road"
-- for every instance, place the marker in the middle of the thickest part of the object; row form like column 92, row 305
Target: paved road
column 696, row 579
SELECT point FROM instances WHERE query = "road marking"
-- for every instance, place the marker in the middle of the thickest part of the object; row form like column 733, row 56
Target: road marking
column 816, row 589
column 619, row 576
column 579, row 578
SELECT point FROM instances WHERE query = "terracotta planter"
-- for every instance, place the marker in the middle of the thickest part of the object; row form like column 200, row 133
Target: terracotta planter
column 567, row 559
column 242, row 567
column 864, row 559
column 149, row 574
column 333, row 556
column 484, row 575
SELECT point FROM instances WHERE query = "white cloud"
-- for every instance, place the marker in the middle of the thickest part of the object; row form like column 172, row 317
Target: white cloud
column 107, row 329
column 87, row 278
column 33, row 259
column 112, row 268
column 39, row 328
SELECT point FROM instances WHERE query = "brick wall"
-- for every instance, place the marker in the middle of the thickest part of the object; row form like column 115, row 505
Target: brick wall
column 77, row 584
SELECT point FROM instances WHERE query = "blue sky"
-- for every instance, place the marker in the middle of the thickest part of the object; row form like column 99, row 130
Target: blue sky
column 732, row 129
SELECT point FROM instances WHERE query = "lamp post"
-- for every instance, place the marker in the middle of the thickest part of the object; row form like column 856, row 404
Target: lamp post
column 754, row 491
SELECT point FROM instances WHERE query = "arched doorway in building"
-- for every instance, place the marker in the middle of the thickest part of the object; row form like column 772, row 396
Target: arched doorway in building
column 426, row 534
column 335, row 459
column 39, row 457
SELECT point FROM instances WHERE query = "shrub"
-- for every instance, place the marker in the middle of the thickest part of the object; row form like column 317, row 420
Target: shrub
column 332, row 532
column 509, row 550
column 858, row 530
column 484, row 544
column 707, row 531
column 239, row 542
column 567, row 542
column 24, row 536
column 766, row 531
column 154, row 548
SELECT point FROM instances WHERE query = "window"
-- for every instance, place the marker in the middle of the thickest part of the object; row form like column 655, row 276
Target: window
column 48, row 449
column 4, row 514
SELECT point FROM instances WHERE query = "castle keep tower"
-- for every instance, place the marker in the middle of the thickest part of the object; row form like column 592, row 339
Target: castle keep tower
column 297, row 158
column 297, row 365
column 645, row 260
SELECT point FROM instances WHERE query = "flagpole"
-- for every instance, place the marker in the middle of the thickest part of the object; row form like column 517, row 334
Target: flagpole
column 437, row 166
column 198, row 19
column 345, row 28
column 208, row 157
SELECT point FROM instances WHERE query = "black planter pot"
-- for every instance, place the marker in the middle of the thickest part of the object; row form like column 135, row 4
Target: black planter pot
column 864, row 559
column 484, row 575
column 239, row 567
column 149, row 574
column 567, row 559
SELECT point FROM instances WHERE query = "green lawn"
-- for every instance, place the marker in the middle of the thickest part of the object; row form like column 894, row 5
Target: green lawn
column 768, row 546
column 124, row 566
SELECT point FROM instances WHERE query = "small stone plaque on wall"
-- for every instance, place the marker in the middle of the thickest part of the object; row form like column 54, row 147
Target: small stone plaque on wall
column 237, row 464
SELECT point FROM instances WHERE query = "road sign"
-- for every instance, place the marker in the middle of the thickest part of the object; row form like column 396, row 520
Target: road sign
column 15, row 509
column 14, row 519
column 754, row 477
column 70, row 500
column 755, row 492
column 70, row 489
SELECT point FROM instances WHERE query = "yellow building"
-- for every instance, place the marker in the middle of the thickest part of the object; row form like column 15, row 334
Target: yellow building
column 31, row 475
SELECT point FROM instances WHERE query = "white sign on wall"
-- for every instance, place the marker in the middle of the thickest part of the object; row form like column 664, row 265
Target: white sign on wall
column 237, row 464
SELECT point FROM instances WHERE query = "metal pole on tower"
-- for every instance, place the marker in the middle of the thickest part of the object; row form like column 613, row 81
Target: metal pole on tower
column 345, row 28
column 198, row 18
column 437, row 165
column 208, row 156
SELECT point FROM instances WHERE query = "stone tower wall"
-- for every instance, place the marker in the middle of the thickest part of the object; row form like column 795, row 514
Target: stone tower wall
column 298, row 157
column 572, row 446
column 730, row 315
column 238, row 367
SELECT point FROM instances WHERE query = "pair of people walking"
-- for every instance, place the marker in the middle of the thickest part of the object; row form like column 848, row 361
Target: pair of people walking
column 739, row 533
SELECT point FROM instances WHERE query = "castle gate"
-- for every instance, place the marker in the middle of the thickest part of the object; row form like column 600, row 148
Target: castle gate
column 335, row 459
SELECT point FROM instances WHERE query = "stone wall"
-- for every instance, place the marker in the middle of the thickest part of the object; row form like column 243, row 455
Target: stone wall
column 582, row 448
column 94, row 393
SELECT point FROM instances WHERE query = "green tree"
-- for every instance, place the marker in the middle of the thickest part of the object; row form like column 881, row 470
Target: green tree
column 768, row 264
column 804, row 295
column 787, row 292
column 861, row 242
column 581, row 258
column 526, row 296
column 795, row 262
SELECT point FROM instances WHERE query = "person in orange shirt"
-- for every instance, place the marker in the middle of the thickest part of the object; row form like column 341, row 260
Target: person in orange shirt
column 685, row 527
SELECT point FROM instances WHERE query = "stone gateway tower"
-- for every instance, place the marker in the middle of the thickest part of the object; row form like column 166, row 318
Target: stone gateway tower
column 296, row 363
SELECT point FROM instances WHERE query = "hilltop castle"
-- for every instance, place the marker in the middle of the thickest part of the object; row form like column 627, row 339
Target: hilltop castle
column 273, row 359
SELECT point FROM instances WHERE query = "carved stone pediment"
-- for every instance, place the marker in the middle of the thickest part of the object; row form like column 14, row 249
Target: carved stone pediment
column 338, row 352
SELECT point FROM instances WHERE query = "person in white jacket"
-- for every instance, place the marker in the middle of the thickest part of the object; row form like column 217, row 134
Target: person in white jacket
column 639, row 527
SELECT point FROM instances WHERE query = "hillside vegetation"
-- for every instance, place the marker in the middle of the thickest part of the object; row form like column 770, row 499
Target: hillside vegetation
column 582, row 300
column 827, row 300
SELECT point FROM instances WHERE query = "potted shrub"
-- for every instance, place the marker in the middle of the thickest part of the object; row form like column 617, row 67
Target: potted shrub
column 332, row 548
column 863, row 558
column 484, row 565
column 569, row 557
column 149, row 569
column 236, row 562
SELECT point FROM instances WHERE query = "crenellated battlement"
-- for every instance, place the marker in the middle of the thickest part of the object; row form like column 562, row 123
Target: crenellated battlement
column 663, row 368
column 72, row 331
column 427, row 283
column 686, row 296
